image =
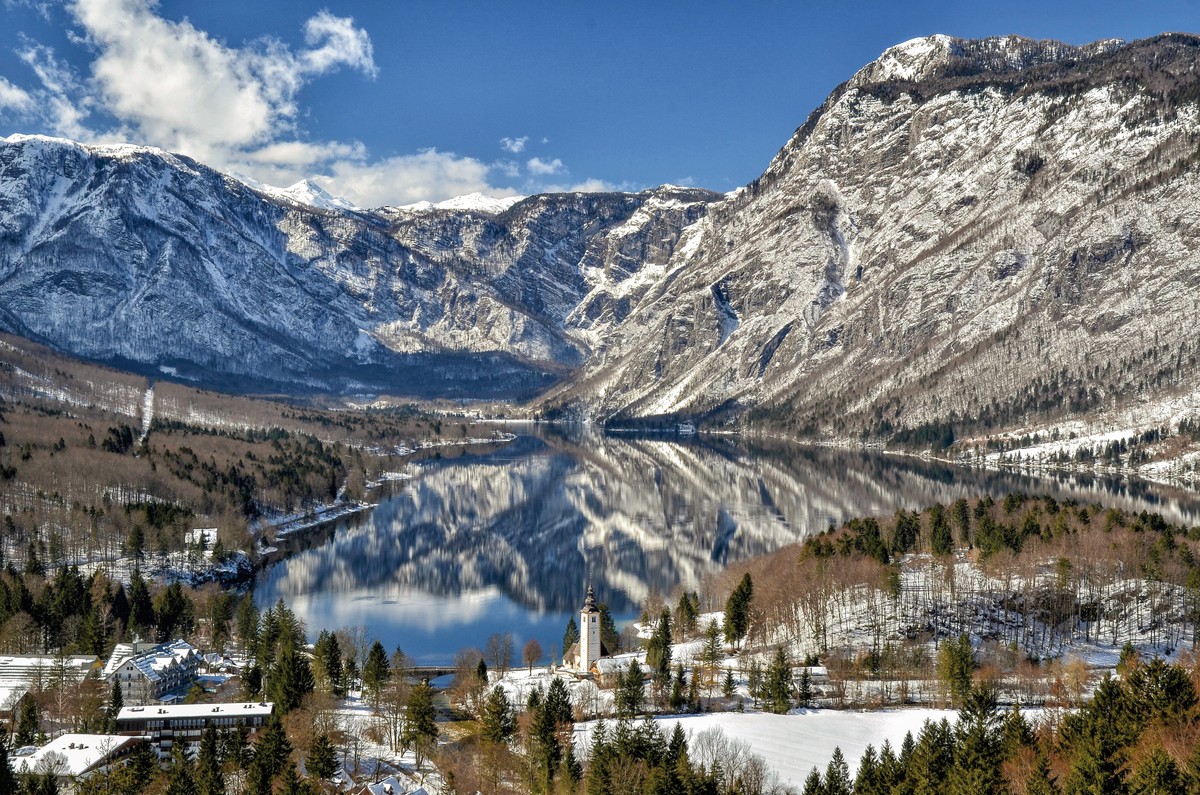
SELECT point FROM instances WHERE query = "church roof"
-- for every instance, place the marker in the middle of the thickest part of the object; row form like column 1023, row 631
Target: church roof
column 573, row 651
column 589, row 604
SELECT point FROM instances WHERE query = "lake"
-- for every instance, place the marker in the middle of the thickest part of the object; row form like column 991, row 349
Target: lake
column 506, row 540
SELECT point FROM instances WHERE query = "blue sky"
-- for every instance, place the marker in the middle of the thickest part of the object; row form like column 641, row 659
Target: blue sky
column 395, row 102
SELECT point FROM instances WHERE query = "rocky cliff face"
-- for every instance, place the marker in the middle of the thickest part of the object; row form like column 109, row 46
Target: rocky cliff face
column 150, row 260
column 965, row 233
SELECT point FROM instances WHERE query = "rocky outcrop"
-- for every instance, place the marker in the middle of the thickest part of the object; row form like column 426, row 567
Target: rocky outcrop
column 963, row 234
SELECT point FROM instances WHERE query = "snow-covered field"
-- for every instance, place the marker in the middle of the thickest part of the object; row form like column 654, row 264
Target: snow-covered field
column 793, row 744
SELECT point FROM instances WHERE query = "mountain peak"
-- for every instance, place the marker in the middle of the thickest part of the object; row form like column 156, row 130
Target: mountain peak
column 471, row 202
column 930, row 57
column 308, row 192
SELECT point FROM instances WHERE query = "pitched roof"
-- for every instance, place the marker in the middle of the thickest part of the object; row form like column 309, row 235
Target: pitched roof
column 72, row 754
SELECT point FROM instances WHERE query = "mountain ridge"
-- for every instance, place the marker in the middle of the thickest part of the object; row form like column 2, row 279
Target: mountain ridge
column 956, row 237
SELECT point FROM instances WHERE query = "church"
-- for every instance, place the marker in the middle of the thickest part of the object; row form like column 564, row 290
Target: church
column 582, row 656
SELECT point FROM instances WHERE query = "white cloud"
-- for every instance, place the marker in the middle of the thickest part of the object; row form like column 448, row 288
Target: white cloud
column 514, row 145
column 507, row 168
column 61, row 98
column 543, row 168
column 177, row 87
column 429, row 175
column 169, row 84
column 14, row 98
column 340, row 44
column 588, row 186
column 41, row 8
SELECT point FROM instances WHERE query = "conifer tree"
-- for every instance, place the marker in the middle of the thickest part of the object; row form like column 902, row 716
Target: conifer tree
column 1039, row 781
column 273, row 747
column 29, row 722
column 1094, row 769
column 631, row 692
column 600, row 754
column 570, row 636
column 291, row 678
column 686, row 615
column 180, row 777
column 558, row 703
column 737, row 611
column 804, row 693
column 609, row 637
column 813, row 784
column 887, row 772
column 978, row 752
column 711, row 653
column 837, row 775
column 8, row 779
column 693, row 695
column 931, row 759
column 677, row 699
column 777, row 685
column 728, row 684
column 956, row 663
column 1015, row 734
column 209, row 778
column 290, row 782
column 422, row 726
column 658, row 650
column 755, row 680
column 116, row 702
column 322, row 759
column 1158, row 775
column 941, row 541
column 376, row 672
column 866, row 779
column 498, row 720
column 327, row 654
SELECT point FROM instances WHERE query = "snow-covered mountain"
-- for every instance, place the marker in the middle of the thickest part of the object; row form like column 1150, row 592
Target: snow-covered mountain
column 150, row 260
column 968, row 233
column 965, row 233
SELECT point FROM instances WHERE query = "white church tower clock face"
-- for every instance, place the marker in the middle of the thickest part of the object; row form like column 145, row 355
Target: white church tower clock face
column 589, row 632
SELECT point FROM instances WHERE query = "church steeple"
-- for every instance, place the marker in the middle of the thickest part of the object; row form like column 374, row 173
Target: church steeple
column 589, row 632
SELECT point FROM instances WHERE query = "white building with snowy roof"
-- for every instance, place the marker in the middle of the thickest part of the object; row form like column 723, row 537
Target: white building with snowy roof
column 151, row 673
column 25, row 669
column 164, row 726
column 20, row 673
column 73, row 757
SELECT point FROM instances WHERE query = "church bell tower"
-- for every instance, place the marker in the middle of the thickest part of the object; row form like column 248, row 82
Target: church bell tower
column 589, row 632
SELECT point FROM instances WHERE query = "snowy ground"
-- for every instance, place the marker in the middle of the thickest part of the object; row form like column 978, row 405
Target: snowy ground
column 793, row 744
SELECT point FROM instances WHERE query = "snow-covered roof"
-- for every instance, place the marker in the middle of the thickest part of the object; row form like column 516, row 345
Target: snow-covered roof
column 16, row 669
column 121, row 652
column 181, row 711
column 612, row 665
column 11, row 694
column 153, row 663
column 391, row 786
column 72, row 754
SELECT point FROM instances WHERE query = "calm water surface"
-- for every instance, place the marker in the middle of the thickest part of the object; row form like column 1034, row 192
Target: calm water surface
column 505, row 540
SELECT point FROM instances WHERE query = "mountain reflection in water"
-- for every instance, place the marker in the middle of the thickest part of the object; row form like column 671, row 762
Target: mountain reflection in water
column 505, row 541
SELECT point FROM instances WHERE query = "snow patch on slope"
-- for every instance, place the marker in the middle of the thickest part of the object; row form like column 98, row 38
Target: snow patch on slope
column 472, row 202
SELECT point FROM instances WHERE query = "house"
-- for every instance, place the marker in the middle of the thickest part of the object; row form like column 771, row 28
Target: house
column 21, row 673
column 152, row 673
column 166, row 725
column 388, row 786
column 39, row 670
column 73, row 757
